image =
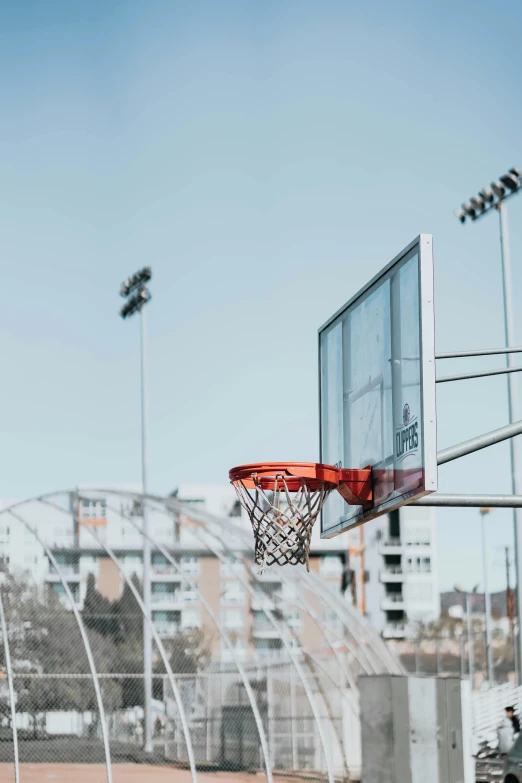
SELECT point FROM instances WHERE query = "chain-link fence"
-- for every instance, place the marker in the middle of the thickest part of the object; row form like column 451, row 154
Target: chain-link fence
column 249, row 673
column 457, row 655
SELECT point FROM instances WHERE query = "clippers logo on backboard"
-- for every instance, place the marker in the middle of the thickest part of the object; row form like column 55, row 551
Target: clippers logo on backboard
column 407, row 435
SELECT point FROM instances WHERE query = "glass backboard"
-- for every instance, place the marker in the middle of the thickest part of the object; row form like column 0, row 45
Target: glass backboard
column 377, row 388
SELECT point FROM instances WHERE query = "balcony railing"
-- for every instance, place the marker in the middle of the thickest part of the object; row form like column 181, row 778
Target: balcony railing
column 392, row 574
column 394, row 630
column 165, row 598
column 395, row 598
column 65, row 570
column 391, row 541
column 165, row 570
column 167, row 629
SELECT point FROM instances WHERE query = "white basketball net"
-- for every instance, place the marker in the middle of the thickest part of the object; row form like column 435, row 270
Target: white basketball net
column 282, row 521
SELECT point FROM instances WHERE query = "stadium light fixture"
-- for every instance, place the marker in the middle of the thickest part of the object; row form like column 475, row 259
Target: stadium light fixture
column 491, row 197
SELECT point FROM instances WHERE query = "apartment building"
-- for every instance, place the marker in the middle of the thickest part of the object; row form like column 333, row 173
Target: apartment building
column 400, row 560
column 206, row 580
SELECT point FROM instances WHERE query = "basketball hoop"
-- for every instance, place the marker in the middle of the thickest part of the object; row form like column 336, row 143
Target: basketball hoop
column 283, row 500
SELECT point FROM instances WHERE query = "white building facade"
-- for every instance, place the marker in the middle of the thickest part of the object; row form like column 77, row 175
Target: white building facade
column 400, row 560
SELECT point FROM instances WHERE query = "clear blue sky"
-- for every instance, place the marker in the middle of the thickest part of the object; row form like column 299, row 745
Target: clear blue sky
column 265, row 159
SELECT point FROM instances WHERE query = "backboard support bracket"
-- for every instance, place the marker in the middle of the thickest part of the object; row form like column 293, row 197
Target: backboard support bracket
column 355, row 486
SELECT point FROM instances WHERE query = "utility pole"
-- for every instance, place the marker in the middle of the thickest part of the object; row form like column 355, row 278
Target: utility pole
column 136, row 285
column 487, row 598
column 471, row 643
column 510, row 607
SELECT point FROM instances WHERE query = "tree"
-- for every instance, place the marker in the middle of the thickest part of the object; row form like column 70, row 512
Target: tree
column 98, row 612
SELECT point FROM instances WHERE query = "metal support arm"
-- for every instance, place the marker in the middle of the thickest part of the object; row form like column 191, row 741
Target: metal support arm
column 471, row 501
column 480, row 442
column 483, row 374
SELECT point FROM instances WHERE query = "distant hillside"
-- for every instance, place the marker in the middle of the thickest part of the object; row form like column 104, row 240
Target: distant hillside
column 498, row 602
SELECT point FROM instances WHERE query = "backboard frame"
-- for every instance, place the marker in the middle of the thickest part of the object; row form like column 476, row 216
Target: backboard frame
column 424, row 246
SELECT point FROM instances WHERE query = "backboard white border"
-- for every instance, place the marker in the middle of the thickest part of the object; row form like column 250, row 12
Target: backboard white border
column 424, row 245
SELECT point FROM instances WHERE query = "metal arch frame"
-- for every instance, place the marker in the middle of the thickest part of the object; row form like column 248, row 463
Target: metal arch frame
column 246, row 682
column 347, row 674
column 8, row 666
column 331, row 637
column 359, row 651
column 155, row 634
column 206, row 518
column 85, row 639
column 282, row 631
column 309, row 578
column 375, row 643
column 285, row 579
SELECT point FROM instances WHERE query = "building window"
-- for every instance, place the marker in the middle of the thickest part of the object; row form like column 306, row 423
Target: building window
column 332, row 621
column 233, row 619
column 93, row 509
column 132, row 560
column 231, row 568
column 418, row 535
column 294, row 621
column 418, row 565
column 190, row 594
column 233, row 593
column 191, row 618
column 426, row 565
column 190, row 565
column 331, row 565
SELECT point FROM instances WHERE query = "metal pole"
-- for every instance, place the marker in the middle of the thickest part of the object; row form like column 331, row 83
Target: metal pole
column 510, row 612
column 147, row 619
column 516, row 484
column 470, row 501
column 487, row 597
column 484, row 374
column 480, row 442
column 12, row 703
column 471, row 651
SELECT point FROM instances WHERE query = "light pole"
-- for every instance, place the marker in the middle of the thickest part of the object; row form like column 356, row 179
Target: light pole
column 487, row 597
column 471, row 647
column 135, row 291
column 495, row 197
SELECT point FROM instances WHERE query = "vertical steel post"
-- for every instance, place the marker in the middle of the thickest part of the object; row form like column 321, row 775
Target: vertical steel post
column 471, row 651
column 10, row 684
column 147, row 619
column 516, row 483
column 293, row 719
column 487, row 598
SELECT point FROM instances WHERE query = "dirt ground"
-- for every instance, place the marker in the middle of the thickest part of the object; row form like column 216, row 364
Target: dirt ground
column 122, row 773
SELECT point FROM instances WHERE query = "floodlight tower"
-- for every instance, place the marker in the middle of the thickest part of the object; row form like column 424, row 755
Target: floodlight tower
column 489, row 198
column 136, row 293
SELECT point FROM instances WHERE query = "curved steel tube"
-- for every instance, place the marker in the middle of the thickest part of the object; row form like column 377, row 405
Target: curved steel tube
column 155, row 634
column 9, row 669
column 225, row 637
column 282, row 631
column 314, row 619
column 85, row 639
